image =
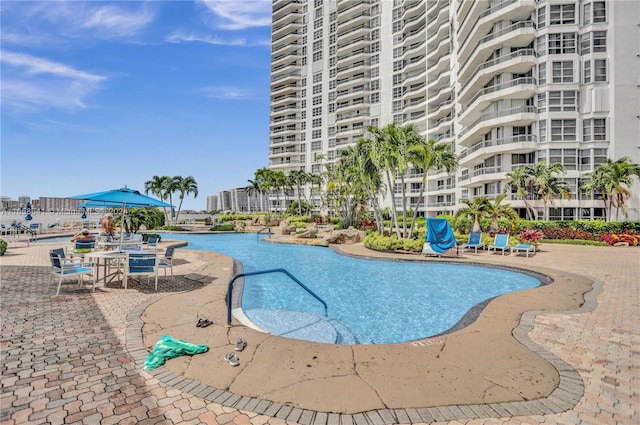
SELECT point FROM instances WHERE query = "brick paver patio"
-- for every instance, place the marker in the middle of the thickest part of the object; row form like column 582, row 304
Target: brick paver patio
column 68, row 359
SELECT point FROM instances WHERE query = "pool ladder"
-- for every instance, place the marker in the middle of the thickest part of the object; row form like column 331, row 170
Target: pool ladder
column 262, row 230
column 239, row 275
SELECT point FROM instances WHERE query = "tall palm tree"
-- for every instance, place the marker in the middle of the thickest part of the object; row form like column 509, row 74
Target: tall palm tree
column 429, row 155
column 279, row 183
column 298, row 178
column 474, row 210
column 387, row 157
column 520, row 181
column 613, row 179
column 253, row 189
column 185, row 186
column 157, row 186
column 496, row 210
column 548, row 185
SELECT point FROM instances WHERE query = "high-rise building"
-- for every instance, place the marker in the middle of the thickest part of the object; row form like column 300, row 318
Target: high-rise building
column 212, row 203
column 508, row 83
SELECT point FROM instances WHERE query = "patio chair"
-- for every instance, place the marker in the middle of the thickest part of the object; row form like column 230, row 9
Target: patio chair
column 82, row 247
column 166, row 262
column 475, row 242
column 152, row 242
column 500, row 242
column 64, row 267
column 141, row 264
column 439, row 238
column 523, row 247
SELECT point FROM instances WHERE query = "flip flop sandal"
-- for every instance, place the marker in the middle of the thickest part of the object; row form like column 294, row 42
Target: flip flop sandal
column 240, row 344
column 232, row 359
column 200, row 322
column 205, row 323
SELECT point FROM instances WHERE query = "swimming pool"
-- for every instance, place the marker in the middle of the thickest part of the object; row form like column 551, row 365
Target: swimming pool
column 369, row 301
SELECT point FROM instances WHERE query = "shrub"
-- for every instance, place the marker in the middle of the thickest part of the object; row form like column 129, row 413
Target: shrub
column 3, row 246
column 392, row 243
column 628, row 237
column 530, row 236
column 146, row 236
column 226, row 227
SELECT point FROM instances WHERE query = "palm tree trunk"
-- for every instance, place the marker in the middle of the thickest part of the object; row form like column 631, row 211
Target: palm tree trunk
column 393, row 204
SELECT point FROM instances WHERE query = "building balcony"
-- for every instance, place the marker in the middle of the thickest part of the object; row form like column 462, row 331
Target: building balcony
column 413, row 9
column 283, row 152
column 289, row 78
column 415, row 35
column 280, row 100
column 280, row 30
column 519, row 88
column 345, row 60
column 351, row 45
column 418, row 104
column 281, row 109
column 283, row 8
column 352, row 106
column 286, row 68
column 436, row 32
column 349, row 9
column 440, row 95
column 440, row 49
column 414, row 91
column 519, row 34
column 352, row 81
column 285, row 58
column 284, row 89
column 518, row 116
column 360, row 67
column 441, row 110
column 415, row 77
column 352, row 31
column 352, row 93
column 414, row 63
column 419, row 47
column 482, row 175
column 480, row 151
column 346, row 118
column 292, row 37
column 518, row 62
column 507, row 11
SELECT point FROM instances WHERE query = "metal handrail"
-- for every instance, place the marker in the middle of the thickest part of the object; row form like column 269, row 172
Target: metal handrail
column 230, row 289
column 261, row 230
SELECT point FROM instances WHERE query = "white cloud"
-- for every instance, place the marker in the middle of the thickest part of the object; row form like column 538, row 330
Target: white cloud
column 237, row 15
column 229, row 93
column 180, row 37
column 31, row 83
column 111, row 21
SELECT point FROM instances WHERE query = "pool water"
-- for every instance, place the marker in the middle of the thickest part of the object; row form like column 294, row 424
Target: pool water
column 369, row 301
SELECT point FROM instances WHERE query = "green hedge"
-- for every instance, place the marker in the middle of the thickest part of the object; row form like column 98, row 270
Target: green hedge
column 227, row 227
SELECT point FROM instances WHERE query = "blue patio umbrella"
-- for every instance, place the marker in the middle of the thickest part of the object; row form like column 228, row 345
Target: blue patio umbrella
column 121, row 198
column 28, row 211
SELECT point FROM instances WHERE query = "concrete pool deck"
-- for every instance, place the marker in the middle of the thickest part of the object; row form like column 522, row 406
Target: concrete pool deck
column 83, row 352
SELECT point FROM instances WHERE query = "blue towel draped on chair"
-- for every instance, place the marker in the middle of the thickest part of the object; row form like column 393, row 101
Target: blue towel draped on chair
column 440, row 235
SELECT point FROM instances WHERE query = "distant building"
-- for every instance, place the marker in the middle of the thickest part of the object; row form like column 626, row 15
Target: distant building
column 225, row 200
column 212, row 203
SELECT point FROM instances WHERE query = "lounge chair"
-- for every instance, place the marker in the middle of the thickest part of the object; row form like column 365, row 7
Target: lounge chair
column 523, row 247
column 439, row 238
column 167, row 261
column 475, row 242
column 500, row 242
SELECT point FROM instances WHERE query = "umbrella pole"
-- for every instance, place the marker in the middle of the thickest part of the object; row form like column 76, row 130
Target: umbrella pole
column 124, row 206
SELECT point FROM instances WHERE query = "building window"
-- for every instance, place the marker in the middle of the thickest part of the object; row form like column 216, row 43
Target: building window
column 317, row 122
column 317, row 45
column 317, row 89
column 599, row 11
column 542, row 73
column 560, row 14
column 542, row 20
column 397, row 79
column 600, row 70
column 565, row 100
column 317, row 34
column 317, row 111
column 375, row 97
column 563, row 130
column 594, row 129
column 562, row 71
column 316, row 134
column 316, row 146
column 587, row 72
column 562, row 43
column 542, row 131
column 541, row 45
column 375, row 85
column 542, row 102
column 397, row 92
column 332, row 107
column 317, row 24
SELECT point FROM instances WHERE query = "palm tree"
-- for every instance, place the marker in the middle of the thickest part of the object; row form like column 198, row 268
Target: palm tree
column 429, row 155
column 474, row 210
column 157, row 186
column 613, row 179
column 387, row 158
column 185, row 186
column 497, row 210
column 521, row 182
column 253, row 189
column 547, row 183
column 298, row 178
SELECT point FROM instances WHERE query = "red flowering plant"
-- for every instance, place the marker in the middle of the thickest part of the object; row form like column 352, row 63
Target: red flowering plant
column 628, row 237
column 532, row 236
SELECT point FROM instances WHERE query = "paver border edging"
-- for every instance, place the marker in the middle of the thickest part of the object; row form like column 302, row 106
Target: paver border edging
column 565, row 397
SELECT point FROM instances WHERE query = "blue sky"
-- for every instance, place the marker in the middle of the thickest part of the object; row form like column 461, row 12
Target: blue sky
column 98, row 95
